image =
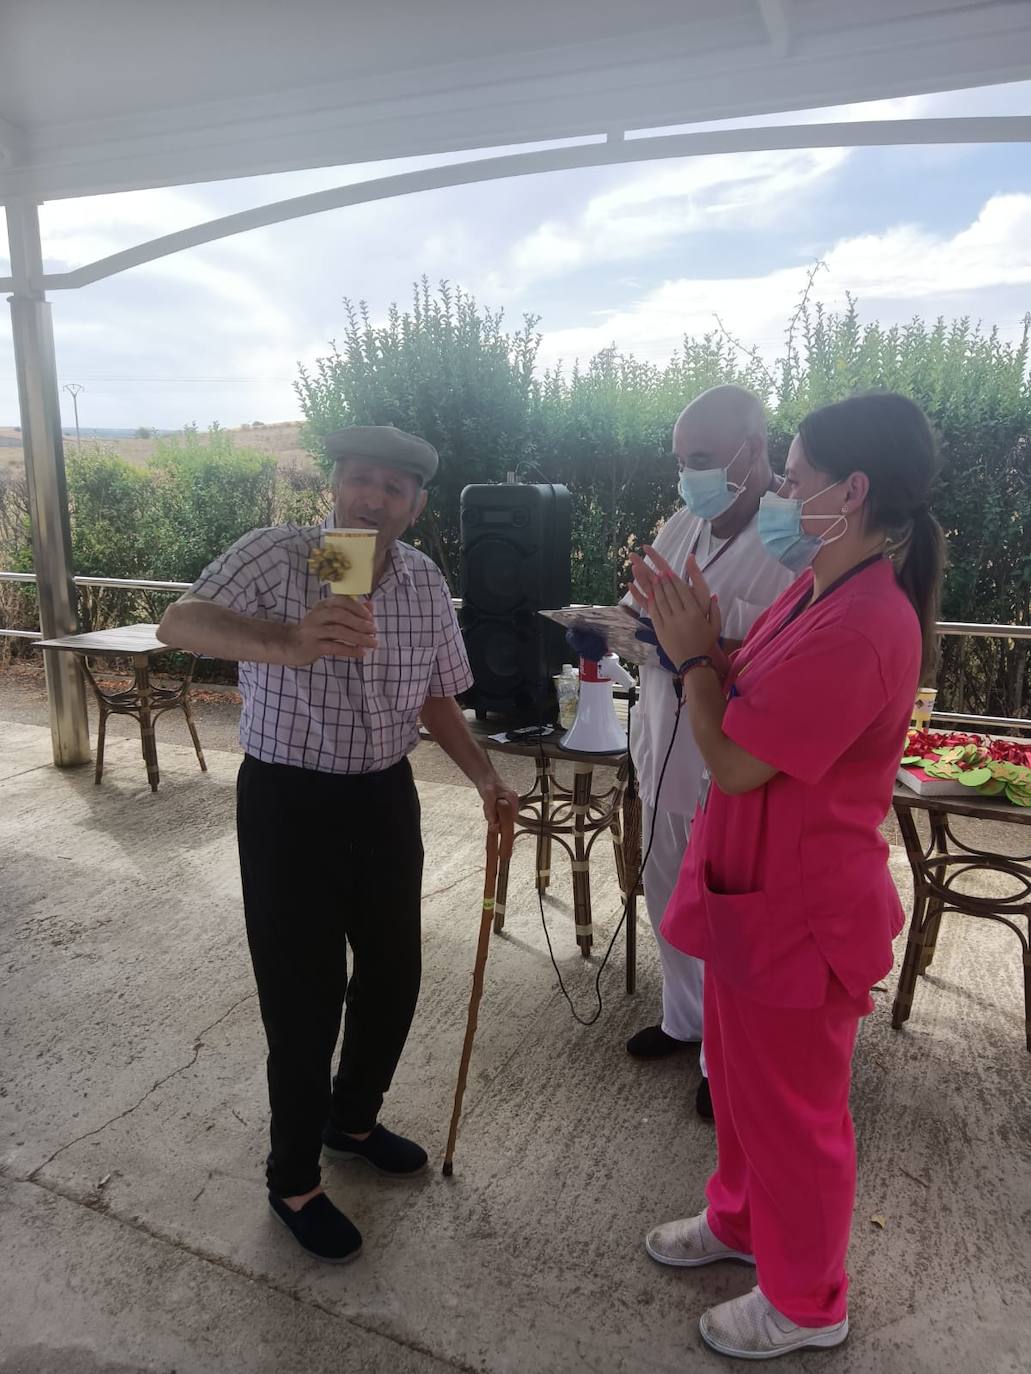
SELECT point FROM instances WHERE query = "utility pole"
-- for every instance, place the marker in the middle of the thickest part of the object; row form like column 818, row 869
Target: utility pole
column 73, row 389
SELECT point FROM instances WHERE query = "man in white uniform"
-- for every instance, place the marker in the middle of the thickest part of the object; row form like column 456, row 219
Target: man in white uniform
column 719, row 443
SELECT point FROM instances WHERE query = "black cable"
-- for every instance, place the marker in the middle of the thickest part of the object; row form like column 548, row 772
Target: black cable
column 631, row 886
column 630, row 880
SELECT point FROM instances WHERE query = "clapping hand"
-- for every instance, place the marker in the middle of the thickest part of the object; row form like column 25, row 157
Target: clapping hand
column 684, row 613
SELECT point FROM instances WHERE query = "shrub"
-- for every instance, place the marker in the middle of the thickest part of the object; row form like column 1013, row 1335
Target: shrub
column 444, row 369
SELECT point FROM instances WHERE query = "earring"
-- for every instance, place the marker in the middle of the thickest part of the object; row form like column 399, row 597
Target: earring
column 844, row 510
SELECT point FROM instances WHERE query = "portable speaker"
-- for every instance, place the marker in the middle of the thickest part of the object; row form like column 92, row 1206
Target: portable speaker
column 515, row 562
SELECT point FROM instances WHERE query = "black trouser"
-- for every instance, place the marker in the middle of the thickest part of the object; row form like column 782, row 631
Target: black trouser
column 329, row 857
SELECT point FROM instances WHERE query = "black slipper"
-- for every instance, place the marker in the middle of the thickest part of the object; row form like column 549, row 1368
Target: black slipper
column 654, row 1043
column 386, row 1152
column 320, row 1228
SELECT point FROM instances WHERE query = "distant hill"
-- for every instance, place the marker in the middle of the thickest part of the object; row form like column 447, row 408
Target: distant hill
column 113, row 433
column 282, row 439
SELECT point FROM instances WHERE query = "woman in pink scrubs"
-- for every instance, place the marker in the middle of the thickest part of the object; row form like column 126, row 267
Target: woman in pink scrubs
column 785, row 890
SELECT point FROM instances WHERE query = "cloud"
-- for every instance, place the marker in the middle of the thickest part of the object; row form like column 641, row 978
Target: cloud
column 80, row 231
column 912, row 263
column 207, row 333
column 906, row 270
column 649, row 210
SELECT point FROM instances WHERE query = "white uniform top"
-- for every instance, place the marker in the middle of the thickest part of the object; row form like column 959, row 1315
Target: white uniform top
column 746, row 579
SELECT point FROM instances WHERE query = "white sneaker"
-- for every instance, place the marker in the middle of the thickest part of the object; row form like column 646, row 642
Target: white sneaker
column 687, row 1244
column 751, row 1328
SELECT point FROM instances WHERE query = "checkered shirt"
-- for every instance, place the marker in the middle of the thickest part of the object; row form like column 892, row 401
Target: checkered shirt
column 339, row 715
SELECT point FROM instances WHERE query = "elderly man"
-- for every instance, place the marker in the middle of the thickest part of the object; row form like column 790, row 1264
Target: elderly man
column 327, row 811
column 719, row 442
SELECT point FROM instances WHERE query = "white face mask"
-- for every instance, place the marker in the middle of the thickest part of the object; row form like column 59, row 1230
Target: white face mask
column 709, row 493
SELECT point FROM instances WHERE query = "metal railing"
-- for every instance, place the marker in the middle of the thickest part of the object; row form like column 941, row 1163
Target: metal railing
column 144, row 584
column 969, row 629
column 121, row 583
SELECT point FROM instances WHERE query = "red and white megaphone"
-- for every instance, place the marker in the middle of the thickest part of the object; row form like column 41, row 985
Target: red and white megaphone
column 597, row 729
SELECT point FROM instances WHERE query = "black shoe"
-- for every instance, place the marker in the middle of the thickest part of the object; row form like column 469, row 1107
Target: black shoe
column 320, row 1228
column 654, row 1043
column 703, row 1101
column 386, row 1152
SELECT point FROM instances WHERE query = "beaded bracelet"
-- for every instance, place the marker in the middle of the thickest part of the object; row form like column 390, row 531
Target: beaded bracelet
column 699, row 661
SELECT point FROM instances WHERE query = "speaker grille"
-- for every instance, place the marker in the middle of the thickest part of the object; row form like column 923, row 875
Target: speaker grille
column 495, row 573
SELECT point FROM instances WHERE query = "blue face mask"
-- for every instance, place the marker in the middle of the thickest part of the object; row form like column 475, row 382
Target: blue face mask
column 780, row 529
column 710, row 493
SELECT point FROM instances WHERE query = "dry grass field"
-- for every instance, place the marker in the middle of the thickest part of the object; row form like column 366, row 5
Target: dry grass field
column 283, row 440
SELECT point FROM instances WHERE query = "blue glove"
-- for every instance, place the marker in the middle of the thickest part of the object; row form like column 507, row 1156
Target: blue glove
column 646, row 634
column 587, row 643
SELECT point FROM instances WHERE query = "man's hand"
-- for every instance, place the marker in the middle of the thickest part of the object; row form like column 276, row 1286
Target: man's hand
column 443, row 718
column 338, row 627
column 646, row 635
column 495, row 793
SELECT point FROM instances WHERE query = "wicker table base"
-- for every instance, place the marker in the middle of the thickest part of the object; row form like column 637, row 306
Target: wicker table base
column 938, row 864
column 143, row 701
column 574, row 817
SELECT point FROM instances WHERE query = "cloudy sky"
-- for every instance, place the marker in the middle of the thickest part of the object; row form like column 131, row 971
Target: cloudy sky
column 631, row 255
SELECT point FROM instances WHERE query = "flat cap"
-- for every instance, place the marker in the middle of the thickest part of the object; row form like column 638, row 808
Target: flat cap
column 386, row 445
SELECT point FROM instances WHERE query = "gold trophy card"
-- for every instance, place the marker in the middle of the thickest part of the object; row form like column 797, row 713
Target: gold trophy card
column 345, row 560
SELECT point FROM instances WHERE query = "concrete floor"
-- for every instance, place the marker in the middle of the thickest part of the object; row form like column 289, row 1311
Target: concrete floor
column 133, row 1229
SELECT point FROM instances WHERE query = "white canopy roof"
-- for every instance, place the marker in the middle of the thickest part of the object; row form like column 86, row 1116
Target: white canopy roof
column 107, row 95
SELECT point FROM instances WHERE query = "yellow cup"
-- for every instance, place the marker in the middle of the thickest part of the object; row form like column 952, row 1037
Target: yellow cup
column 923, row 708
column 359, row 546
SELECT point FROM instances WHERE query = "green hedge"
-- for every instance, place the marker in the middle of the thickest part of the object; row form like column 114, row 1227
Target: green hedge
column 449, row 370
column 162, row 522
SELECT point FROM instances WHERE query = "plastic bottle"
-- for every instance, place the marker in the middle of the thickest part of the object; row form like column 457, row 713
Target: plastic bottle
column 567, row 688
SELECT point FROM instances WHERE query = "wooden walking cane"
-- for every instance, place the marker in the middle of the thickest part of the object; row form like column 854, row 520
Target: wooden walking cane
column 495, row 844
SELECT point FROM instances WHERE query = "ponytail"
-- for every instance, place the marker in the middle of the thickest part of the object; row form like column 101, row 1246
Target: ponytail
column 919, row 567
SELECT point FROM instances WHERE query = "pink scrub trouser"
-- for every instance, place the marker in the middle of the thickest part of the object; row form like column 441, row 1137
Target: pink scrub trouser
column 785, row 1178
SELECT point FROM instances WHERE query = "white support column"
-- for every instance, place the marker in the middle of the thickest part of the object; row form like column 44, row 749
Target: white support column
column 48, row 496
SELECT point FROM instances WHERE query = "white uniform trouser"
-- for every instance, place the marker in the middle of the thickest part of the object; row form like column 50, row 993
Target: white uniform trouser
column 682, row 975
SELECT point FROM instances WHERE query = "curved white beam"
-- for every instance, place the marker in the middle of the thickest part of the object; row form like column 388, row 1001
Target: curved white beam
column 982, row 129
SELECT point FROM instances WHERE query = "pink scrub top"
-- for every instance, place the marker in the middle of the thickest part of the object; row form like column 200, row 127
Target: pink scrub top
column 784, row 885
